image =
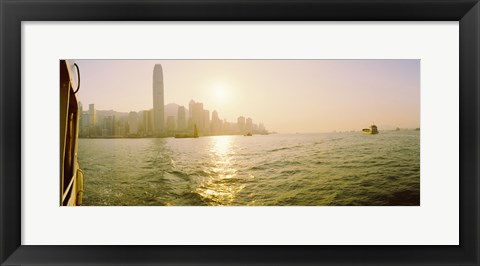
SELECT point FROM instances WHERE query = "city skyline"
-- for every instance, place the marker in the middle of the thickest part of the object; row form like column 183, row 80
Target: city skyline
column 151, row 123
column 179, row 122
column 289, row 96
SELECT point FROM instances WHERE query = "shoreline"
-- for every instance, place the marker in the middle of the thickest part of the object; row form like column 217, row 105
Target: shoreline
column 164, row 137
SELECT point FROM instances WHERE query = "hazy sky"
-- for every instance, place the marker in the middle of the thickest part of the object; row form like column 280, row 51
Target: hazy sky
column 286, row 95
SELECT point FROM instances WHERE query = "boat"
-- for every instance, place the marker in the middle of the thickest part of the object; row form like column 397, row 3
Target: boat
column 182, row 136
column 372, row 130
column 71, row 176
column 185, row 136
column 248, row 134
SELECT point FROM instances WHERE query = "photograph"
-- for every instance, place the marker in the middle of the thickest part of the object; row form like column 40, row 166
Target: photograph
column 240, row 132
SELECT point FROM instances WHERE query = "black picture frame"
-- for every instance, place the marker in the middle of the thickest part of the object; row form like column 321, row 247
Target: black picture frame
column 13, row 12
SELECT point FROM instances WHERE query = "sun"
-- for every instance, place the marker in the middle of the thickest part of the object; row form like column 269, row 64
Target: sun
column 221, row 93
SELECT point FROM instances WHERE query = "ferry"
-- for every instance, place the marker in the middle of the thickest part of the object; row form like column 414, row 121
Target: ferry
column 183, row 136
column 372, row 130
column 71, row 176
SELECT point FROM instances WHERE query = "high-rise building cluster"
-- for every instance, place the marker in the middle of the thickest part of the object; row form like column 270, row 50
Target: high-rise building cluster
column 162, row 120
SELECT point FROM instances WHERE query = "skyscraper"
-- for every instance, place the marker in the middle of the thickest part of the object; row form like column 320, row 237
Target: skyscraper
column 148, row 121
column 206, row 121
column 181, row 120
column 241, row 124
column 92, row 119
column 197, row 116
column 170, row 124
column 191, row 106
column 216, row 123
column 158, row 105
column 132, row 123
column 249, row 125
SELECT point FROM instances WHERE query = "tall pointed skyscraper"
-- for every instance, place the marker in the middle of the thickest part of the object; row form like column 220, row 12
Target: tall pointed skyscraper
column 158, row 105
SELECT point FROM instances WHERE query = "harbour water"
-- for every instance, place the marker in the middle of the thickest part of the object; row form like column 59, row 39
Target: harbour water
column 325, row 169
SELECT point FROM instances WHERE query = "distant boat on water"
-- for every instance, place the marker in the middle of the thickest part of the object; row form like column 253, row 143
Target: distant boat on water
column 248, row 134
column 184, row 136
column 372, row 130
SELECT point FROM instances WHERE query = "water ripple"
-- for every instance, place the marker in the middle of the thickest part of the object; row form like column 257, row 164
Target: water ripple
column 300, row 169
